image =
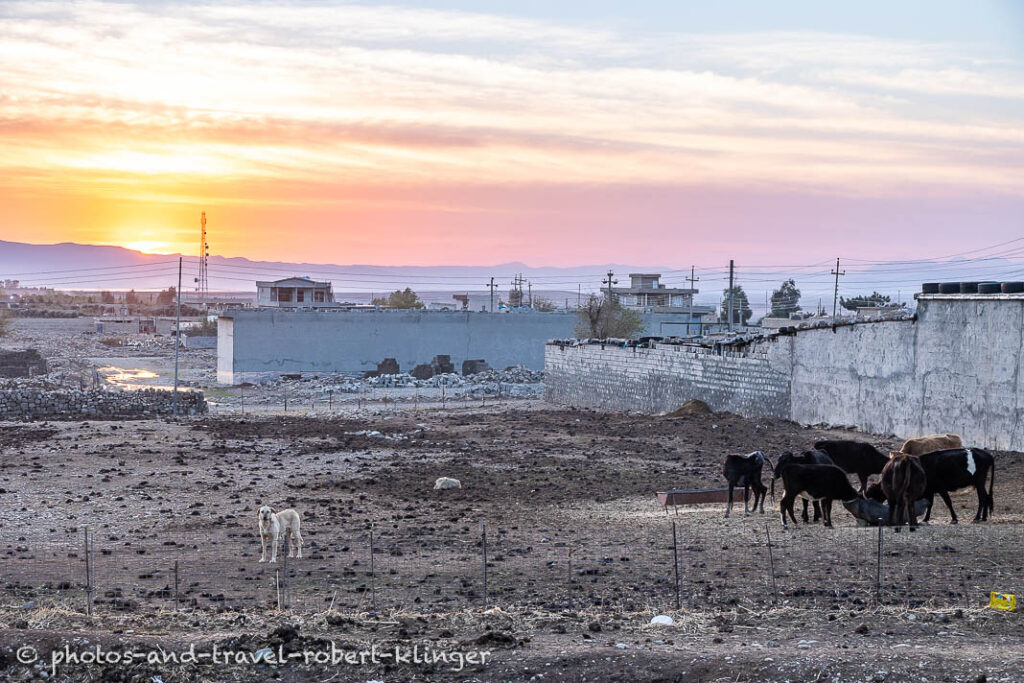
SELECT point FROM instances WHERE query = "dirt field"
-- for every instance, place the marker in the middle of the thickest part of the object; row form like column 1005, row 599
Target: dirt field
column 580, row 556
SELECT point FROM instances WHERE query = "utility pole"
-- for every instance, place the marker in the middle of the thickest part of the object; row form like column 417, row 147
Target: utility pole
column 177, row 341
column 517, row 285
column 693, row 282
column 529, row 286
column 579, row 294
column 609, row 281
column 491, row 286
column 731, row 272
column 835, row 297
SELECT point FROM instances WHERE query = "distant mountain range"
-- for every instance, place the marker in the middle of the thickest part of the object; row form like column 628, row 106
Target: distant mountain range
column 70, row 266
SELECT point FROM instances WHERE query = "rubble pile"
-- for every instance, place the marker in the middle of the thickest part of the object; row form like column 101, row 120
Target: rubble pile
column 513, row 382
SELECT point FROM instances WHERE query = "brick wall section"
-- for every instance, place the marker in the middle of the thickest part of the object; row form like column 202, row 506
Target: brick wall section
column 663, row 378
column 31, row 403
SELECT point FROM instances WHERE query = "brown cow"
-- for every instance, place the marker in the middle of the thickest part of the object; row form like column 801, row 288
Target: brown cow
column 931, row 443
column 903, row 482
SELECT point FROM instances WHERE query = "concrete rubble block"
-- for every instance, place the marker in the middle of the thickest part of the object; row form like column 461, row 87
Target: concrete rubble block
column 473, row 367
column 442, row 364
column 422, row 371
column 388, row 366
column 27, row 363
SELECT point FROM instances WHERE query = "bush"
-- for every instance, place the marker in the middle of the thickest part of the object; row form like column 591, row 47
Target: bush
column 604, row 318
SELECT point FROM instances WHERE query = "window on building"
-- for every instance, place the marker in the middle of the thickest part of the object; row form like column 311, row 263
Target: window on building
column 300, row 295
column 318, row 297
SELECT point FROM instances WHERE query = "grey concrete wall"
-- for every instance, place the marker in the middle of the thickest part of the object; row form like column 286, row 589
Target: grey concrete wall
column 287, row 341
column 268, row 341
column 958, row 368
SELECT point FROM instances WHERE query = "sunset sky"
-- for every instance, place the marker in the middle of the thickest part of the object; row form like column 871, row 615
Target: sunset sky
column 552, row 133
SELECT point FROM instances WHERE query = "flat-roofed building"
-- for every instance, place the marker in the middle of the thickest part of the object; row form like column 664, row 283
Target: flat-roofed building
column 295, row 292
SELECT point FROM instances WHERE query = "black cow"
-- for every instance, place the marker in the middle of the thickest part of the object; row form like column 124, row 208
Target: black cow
column 855, row 457
column 745, row 471
column 813, row 457
column 959, row 468
column 817, row 482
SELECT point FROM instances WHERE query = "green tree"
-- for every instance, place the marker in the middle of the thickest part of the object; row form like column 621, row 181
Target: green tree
column 5, row 323
column 866, row 301
column 741, row 310
column 131, row 297
column 166, row 297
column 515, row 298
column 785, row 300
column 106, row 297
column 602, row 318
column 400, row 299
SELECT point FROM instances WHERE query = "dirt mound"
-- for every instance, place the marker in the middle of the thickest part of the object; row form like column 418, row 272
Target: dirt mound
column 691, row 407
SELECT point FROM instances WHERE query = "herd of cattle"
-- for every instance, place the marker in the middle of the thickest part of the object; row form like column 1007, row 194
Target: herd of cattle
column 908, row 479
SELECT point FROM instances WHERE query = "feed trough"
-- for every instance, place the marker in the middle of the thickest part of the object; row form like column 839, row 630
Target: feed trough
column 677, row 497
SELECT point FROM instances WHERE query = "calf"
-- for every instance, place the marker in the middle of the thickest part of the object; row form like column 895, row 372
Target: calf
column 959, row 468
column 855, row 457
column 806, row 458
column 745, row 471
column 931, row 443
column 903, row 482
column 823, row 483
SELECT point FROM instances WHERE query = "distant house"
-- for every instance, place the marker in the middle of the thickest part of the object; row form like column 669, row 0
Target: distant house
column 295, row 292
column 646, row 293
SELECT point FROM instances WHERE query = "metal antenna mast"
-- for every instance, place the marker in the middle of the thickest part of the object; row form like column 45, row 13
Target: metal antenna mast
column 203, row 281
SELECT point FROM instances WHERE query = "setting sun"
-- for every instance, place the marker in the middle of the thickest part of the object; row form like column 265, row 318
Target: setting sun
column 149, row 247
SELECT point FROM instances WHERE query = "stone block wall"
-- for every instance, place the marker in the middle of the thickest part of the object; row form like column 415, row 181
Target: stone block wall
column 663, row 378
column 33, row 403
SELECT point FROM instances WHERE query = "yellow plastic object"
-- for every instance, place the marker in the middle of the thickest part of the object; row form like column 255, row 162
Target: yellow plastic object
column 1004, row 601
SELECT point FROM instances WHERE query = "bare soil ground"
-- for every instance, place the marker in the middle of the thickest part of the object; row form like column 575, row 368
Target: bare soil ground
column 579, row 554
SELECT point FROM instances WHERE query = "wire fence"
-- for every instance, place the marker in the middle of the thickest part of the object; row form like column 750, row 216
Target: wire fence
column 399, row 567
column 243, row 400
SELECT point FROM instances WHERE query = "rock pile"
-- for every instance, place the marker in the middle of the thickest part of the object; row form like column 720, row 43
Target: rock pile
column 33, row 403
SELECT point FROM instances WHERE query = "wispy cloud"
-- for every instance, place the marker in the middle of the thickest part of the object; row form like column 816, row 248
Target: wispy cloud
column 197, row 101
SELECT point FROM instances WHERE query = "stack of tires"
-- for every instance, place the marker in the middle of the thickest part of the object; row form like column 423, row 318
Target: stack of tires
column 987, row 287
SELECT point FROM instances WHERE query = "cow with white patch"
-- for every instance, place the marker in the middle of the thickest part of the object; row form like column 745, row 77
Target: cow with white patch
column 957, row 468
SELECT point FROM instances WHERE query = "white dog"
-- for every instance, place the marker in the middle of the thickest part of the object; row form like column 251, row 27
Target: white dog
column 273, row 526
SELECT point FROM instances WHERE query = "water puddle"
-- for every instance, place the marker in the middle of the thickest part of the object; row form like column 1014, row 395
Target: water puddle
column 129, row 379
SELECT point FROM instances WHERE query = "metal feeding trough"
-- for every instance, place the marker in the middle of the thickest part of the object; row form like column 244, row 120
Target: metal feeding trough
column 677, row 497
